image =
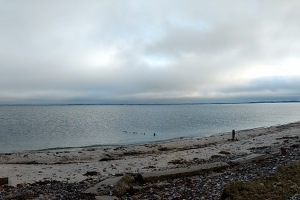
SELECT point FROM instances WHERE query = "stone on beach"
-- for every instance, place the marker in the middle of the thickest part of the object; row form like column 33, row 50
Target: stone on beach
column 123, row 185
column 116, row 186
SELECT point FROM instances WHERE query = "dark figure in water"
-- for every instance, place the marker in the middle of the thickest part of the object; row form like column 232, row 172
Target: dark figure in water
column 154, row 134
column 233, row 134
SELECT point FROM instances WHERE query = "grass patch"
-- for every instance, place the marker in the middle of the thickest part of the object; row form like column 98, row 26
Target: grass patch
column 283, row 184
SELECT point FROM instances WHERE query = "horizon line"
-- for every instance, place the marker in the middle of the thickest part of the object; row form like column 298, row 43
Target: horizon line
column 91, row 104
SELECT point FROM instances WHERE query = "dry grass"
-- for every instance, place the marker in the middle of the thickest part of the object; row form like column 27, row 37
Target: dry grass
column 283, row 184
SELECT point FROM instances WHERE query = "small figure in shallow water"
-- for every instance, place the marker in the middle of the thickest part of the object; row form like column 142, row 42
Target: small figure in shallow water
column 154, row 134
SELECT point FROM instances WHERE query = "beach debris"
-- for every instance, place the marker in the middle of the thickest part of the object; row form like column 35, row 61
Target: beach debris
column 107, row 158
column 33, row 162
column 119, row 148
column 178, row 161
column 163, row 148
column 4, row 181
column 284, row 151
column 216, row 156
column 259, row 148
column 91, row 149
column 297, row 145
column 224, row 152
column 91, row 173
column 131, row 153
column 149, row 167
column 288, row 137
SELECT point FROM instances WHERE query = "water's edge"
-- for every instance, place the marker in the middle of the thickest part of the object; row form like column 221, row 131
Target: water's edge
column 61, row 149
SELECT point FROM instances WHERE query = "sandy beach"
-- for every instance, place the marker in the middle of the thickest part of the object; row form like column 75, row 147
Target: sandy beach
column 72, row 166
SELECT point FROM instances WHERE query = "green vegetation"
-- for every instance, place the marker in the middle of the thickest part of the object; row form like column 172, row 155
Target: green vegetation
column 283, row 184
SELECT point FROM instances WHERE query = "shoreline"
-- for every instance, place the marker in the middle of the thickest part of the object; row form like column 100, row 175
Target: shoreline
column 70, row 166
column 80, row 148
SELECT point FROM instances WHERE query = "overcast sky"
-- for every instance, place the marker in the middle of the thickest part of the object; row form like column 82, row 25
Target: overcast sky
column 149, row 51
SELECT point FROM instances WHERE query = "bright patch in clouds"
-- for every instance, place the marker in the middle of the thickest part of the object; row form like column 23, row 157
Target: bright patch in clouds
column 102, row 59
column 156, row 62
column 287, row 67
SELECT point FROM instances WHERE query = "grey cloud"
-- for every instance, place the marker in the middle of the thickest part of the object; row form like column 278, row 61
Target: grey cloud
column 161, row 49
column 272, row 85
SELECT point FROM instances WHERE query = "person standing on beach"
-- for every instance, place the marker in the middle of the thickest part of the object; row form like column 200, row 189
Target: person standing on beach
column 233, row 134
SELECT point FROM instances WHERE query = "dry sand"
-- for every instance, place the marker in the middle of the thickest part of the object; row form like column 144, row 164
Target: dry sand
column 28, row 167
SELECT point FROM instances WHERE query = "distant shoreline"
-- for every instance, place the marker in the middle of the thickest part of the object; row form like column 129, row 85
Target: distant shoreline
column 155, row 104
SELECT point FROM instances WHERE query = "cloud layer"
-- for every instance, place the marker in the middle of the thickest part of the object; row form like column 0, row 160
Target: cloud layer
column 148, row 51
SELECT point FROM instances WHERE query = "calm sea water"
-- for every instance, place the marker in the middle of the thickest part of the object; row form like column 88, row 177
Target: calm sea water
column 43, row 127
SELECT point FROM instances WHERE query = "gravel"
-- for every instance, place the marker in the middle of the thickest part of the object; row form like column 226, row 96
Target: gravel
column 209, row 186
